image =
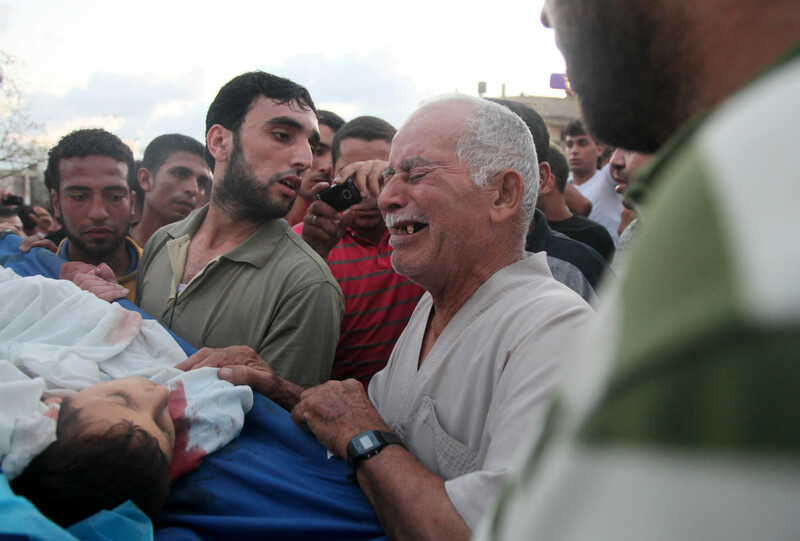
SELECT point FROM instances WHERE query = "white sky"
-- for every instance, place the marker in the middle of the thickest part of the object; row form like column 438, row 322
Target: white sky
column 149, row 67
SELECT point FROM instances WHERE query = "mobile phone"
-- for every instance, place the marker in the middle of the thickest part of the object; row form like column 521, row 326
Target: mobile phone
column 13, row 200
column 341, row 196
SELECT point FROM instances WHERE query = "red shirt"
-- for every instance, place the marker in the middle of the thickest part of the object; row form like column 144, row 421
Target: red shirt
column 378, row 303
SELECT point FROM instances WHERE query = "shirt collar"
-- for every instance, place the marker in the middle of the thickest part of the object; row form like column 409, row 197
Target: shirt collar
column 256, row 250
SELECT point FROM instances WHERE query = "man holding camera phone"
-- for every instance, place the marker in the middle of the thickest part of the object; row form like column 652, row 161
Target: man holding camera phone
column 350, row 234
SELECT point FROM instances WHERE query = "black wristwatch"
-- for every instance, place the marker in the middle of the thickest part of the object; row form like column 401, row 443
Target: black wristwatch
column 369, row 444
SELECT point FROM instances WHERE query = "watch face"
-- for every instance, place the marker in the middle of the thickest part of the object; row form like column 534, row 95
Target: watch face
column 365, row 442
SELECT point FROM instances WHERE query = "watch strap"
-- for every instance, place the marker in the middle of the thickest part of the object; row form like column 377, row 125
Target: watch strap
column 382, row 439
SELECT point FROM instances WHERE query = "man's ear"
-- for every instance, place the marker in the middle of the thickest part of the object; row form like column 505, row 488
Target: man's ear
column 220, row 143
column 145, row 179
column 546, row 179
column 56, row 203
column 133, row 202
column 507, row 189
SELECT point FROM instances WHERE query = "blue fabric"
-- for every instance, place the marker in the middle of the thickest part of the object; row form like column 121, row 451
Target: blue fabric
column 274, row 481
column 126, row 521
column 37, row 261
column 19, row 519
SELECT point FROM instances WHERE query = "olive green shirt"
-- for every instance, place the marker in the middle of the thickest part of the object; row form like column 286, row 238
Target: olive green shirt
column 272, row 293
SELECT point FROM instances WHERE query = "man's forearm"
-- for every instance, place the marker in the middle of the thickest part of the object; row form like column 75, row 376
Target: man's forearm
column 284, row 393
column 410, row 500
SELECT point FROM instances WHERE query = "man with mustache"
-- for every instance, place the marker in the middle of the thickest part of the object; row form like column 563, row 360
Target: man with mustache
column 173, row 176
column 232, row 273
column 87, row 174
column 469, row 378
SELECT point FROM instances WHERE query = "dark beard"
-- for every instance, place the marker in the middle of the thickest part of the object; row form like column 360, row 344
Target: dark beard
column 242, row 196
column 628, row 70
column 96, row 254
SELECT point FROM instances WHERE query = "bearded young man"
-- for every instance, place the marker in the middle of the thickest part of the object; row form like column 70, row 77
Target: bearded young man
column 87, row 174
column 232, row 273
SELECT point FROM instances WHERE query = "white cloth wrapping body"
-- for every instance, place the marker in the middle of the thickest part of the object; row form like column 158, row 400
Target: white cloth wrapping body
column 56, row 339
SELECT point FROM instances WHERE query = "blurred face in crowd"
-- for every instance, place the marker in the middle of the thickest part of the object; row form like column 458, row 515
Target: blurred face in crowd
column 624, row 163
column 14, row 223
column 270, row 151
column 626, row 60
column 366, row 215
column 582, row 154
column 174, row 189
column 321, row 165
column 95, row 205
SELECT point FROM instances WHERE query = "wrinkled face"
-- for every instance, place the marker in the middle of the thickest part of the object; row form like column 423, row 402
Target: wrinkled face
column 624, row 163
column 175, row 189
column 582, row 154
column 95, row 205
column 433, row 210
column 271, row 149
column 366, row 215
column 137, row 400
column 630, row 63
column 322, row 165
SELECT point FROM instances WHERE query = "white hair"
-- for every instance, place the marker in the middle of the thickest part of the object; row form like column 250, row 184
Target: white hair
column 496, row 139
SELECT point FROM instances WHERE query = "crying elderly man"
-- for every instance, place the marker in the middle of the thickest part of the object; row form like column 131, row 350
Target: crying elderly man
column 471, row 375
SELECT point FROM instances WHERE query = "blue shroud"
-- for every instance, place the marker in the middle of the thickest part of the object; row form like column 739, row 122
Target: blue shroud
column 274, row 481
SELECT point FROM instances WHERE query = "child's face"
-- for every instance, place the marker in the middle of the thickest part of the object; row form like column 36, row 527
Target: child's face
column 135, row 399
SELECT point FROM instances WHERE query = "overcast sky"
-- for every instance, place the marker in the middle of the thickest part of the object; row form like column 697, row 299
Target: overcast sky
column 148, row 67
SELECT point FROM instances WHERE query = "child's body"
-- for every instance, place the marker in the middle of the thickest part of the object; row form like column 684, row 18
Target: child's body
column 61, row 344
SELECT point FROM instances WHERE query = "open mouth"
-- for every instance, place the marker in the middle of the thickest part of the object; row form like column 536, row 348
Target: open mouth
column 409, row 229
column 291, row 182
column 405, row 224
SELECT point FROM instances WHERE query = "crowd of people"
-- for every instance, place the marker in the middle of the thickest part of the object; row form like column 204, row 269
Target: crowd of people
column 501, row 337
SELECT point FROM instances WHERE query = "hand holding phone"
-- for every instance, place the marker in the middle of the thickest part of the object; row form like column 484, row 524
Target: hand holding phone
column 341, row 196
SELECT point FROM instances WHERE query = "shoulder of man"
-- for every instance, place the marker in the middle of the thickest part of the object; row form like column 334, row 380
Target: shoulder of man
column 301, row 261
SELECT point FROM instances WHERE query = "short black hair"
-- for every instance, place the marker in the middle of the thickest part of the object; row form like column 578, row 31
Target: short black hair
column 536, row 125
column 558, row 166
column 330, row 119
column 80, row 474
column 164, row 146
column 366, row 128
column 236, row 97
column 82, row 144
column 576, row 127
column 10, row 212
